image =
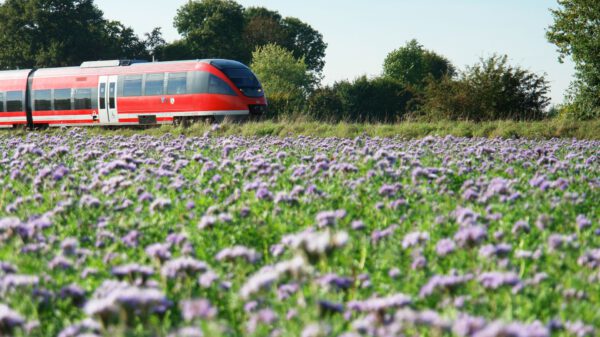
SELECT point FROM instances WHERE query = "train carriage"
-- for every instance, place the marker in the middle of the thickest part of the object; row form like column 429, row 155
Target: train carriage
column 129, row 93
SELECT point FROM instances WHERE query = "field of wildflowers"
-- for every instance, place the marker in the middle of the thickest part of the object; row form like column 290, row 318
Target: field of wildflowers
column 106, row 235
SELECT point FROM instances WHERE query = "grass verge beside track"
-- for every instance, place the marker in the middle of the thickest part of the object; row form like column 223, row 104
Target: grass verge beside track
column 503, row 129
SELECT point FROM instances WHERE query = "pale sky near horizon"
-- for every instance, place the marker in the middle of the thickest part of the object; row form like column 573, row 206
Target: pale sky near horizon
column 361, row 33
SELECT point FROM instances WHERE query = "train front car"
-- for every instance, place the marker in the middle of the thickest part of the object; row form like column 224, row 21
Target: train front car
column 246, row 83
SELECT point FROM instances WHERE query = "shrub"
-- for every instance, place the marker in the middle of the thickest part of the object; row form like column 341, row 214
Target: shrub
column 489, row 90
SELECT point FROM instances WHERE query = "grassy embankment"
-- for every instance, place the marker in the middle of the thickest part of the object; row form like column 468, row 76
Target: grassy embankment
column 503, row 129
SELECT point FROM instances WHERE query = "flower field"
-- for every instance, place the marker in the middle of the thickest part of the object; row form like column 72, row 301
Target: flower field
column 104, row 235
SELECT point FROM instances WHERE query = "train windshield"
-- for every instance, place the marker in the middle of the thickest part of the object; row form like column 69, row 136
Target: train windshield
column 245, row 80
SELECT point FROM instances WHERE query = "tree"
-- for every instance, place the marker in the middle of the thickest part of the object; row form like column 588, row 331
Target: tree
column 489, row 90
column 154, row 42
column 412, row 65
column 122, row 42
column 264, row 26
column 45, row 33
column 576, row 33
column 305, row 42
column 286, row 80
column 212, row 28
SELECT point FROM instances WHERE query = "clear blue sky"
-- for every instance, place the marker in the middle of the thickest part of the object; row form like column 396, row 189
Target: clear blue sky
column 361, row 33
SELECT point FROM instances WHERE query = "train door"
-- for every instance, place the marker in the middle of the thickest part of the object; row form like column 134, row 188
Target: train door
column 107, row 99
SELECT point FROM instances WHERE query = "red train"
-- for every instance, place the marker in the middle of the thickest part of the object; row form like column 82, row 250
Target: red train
column 129, row 93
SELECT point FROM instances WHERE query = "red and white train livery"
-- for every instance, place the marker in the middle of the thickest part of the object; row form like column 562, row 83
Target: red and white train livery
column 129, row 93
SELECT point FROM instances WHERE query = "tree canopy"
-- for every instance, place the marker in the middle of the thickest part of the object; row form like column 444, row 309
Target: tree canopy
column 286, row 80
column 576, row 33
column 43, row 33
column 212, row 28
column 225, row 29
column 412, row 65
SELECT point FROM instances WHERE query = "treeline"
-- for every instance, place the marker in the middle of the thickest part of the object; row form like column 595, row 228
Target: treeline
column 288, row 55
column 51, row 33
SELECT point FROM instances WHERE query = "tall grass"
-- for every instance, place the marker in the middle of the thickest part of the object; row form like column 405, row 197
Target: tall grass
column 555, row 128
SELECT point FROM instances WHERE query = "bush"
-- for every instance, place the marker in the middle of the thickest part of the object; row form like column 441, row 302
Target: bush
column 489, row 90
column 286, row 80
column 363, row 100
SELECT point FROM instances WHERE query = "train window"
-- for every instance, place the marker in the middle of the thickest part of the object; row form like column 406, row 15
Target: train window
column 82, row 99
column 42, row 100
column 132, row 86
column 111, row 95
column 154, row 84
column 177, row 84
column 14, row 101
column 1, row 102
column 102, row 96
column 62, row 99
column 218, row 86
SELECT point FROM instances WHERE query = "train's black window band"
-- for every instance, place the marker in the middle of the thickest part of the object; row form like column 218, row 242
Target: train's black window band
column 177, row 84
column 218, row 86
column 155, row 84
column 1, row 102
column 111, row 95
column 82, row 99
column 102, row 94
column 14, row 101
column 42, row 100
column 62, row 99
column 132, row 86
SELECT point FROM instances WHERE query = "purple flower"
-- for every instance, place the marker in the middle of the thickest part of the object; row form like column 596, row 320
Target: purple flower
column 159, row 251
column 238, row 252
column 414, row 238
column 443, row 282
column 329, row 218
column 183, row 266
column 470, row 236
column 445, row 247
column 198, row 308
column 380, row 303
column 495, row 280
column 9, row 320
column 334, row 281
column 378, row 235
column 583, row 222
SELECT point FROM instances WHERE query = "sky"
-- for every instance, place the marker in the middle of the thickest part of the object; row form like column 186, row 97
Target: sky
column 361, row 33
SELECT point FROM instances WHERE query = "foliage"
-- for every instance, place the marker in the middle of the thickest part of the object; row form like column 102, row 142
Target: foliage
column 576, row 33
column 286, row 80
column 489, row 90
column 224, row 29
column 413, row 65
column 362, row 100
column 212, row 28
column 154, row 42
column 44, row 33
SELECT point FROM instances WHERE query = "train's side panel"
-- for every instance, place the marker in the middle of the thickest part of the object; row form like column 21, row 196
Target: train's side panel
column 167, row 106
column 70, row 96
column 11, row 113
column 82, row 90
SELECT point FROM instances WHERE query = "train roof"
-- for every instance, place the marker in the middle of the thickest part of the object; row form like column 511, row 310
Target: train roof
column 126, row 66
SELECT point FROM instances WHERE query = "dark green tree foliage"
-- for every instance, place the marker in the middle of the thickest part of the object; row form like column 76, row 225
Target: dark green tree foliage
column 413, row 65
column 362, row 100
column 154, row 42
column 224, row 29
column 489, row 90
column 262, row 27
column 305, row 42
column 576, row 33
column 212, row 28
column 46, row 33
